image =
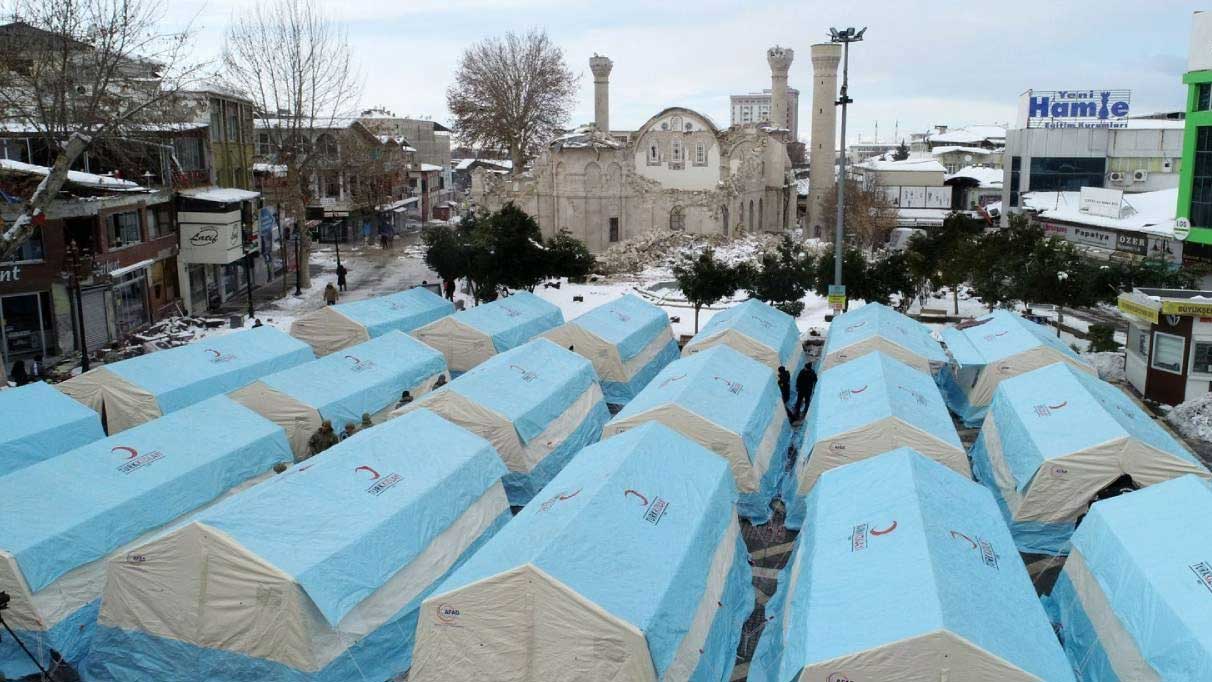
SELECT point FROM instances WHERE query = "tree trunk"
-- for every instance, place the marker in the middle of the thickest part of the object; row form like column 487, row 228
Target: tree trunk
column 955, row 299
column 1060, row 320
column 32, row 214
column 515, row 156
column 696, row 319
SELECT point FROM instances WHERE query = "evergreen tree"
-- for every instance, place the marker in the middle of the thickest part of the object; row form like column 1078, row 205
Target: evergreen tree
column 901, row 153
column 781, row 278
column 568, row 257
column 705, row 280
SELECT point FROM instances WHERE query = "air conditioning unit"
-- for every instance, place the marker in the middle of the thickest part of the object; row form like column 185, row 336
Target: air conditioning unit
column 1140, row 175
column 1167, row 165
column 1117, row 177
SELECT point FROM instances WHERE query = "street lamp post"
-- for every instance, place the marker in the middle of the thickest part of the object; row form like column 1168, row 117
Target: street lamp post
column 845, row 37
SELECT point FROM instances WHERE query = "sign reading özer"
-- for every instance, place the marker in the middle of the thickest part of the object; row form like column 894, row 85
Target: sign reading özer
column 1074, row 108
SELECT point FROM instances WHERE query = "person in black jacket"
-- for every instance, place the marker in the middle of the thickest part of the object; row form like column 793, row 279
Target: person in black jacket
column 805, row 381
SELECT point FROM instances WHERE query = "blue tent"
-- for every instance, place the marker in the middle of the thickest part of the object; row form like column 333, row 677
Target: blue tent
column 628, row 566
column 137, row 390
column 993, row 348
column 471, row 336
column 865, row 407
column 628, row 340
column 317, row 574
column 335, row 327
column 538, row 405
column 756, row 329
column 1132, row 600
column 875, row 327
column 368, row 378
column 905, row 571
column 66, row 514
column 1054, row 438
column 37, row 422
column 729, row 404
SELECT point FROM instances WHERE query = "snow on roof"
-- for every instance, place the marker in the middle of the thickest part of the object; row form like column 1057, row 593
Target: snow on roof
column 221, row 195
column 275, row 168
column 969, row 135
column 429, row 167
column 929, row 165
column 465, row 164
column 1141, row 212
column 585, row 137
column 1155, row 124
column 967, row 150
column 987, row 177
column 77, row 177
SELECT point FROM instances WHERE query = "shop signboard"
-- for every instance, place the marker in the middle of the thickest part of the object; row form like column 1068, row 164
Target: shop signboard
column 210, row 237
column 1089, row 108
column 837, row 296
column 1138, row 307
column 1092, row 236
column 1164, row 249
column 1101, row 202
column 1130, row 242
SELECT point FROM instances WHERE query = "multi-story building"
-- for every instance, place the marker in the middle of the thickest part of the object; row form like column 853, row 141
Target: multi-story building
column 754, row 107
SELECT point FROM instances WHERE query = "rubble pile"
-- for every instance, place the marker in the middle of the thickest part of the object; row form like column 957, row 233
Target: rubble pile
column 663, row 248
column 168, row 333
column 1193, row 418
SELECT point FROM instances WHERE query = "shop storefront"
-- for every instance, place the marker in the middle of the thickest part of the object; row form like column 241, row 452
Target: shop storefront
column 1169, row 350
column 216, row 236
column 27, row 326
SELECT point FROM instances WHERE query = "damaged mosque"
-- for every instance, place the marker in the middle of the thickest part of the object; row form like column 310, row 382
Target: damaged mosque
column 679, row 172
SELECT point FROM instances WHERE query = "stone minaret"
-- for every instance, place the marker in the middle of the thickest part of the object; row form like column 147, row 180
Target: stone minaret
column 601, row 67
column 780, row 62
column 822, row 179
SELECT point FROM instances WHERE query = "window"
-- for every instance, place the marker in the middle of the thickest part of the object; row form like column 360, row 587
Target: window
column 332, row 186
column 675, row 151
column 190, row 153
column 233, row 121
column 1168, row 351
column 654, row 155
column 676, row 123
column 216, row 122
column 30, row 250
column 264, row 147
column 1138, row 341
column 1065, row 174
column 159, row 221
column 700, row 154
column 614, row 229
column 1203, row 95
column 130, row 300
column 1016, row 171
column 1202, row 362
column 1201, row 179
column 123, row 229
column 677, row 219
column 15, row 148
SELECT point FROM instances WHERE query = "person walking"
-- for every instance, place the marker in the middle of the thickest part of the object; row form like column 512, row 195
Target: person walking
column 330, row 294
column 449, row 286
column 342, row 271
column 406, row 398
column 785, row 387
column 805, row 382
column 366, row 423
column 349, row 430
column 19, row 376
column 322, row 439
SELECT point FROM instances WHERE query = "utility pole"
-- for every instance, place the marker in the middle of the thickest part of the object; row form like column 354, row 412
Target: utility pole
column 282, row 238
column 845, row 37
column 76, row 270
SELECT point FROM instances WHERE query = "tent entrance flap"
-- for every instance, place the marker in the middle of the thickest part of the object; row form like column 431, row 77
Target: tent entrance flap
column 328, row 330
column 120, row 403
column 571, row 638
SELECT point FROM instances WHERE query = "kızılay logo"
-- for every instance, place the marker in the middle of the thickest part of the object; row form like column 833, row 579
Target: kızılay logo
column 1046, row 409
column 447, row 613
column 360, row 365
column 558, row 497
column 379, row 484
column 620, row 315
column 670, row 380
column 847, row 393
column 654, row 511
column 511, row 312
column 859, row 539
column 990, row 337
column 1203, row 571
column 839, row 677
column 734, row 387
column 918, row 396
column 856, row 325
column 764, row 323
column 527, row 375
column 988, row 555
column 217, row 357
column 132, row 460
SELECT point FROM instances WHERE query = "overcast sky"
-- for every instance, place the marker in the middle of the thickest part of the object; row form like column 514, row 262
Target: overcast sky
column 924, row 62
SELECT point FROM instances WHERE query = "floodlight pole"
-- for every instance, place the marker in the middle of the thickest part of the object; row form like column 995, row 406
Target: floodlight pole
column 845, row 37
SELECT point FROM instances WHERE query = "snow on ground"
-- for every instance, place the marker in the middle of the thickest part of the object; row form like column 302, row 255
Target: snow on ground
column 1193, row 418
column 1110, row 366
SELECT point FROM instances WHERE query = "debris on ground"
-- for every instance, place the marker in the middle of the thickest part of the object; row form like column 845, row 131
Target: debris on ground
column 1110, row 365
column 663, row 248
column 1193, row 418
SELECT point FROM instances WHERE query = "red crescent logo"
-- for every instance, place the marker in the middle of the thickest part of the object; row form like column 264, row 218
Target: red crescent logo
column 1057, row 407
column 641, row 496
column 670, row 380
column 886, row 531
column 519, row 368
column 133, row 453
column 356, row 361
column 569, row 496
column 1002, row 332
column 212, row 350
column 373, row 474
column 859, row 390
column 956, row 535
column 856, row 325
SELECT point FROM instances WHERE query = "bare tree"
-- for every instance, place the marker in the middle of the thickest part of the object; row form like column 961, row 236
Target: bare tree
column 80, row 73
column 296, row 65
column 511, row 93
column 870, row 214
